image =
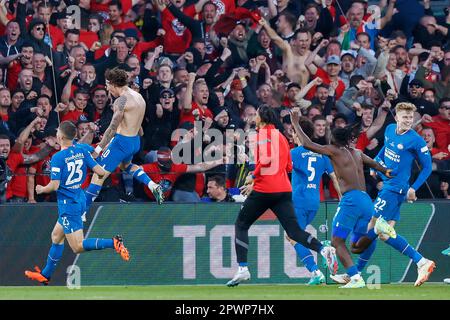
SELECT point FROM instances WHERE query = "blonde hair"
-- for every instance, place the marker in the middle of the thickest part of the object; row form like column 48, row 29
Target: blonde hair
column 405, row 106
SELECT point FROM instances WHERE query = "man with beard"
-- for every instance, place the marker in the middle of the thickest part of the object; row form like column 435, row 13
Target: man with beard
column 415, row 91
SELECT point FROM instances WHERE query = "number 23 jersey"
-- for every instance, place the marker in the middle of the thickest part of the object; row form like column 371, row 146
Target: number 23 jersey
column 69, row 167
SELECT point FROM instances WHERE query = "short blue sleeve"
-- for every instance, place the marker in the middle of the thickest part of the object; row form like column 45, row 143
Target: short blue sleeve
column 327, row 165
column 90, row 162
column 56, row 165
column 85, row 147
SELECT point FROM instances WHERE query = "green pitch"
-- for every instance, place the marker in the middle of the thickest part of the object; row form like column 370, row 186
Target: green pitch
column 428, row 291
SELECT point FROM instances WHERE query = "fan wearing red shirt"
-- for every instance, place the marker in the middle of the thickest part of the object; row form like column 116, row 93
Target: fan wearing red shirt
column 116, row 17
column 195, row 101
column 269, row 187
column 440, row 124
column 332, row 66
column 177, row 38
column 165, row 172
column 80, row 100
column 137, row 47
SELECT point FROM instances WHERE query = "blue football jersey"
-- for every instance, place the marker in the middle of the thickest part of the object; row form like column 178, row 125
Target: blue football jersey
column 69, row 167
column 308, row 168
column 398, row 153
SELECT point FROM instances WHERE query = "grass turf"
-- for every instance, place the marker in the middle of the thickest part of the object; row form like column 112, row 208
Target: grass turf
column 427, row 291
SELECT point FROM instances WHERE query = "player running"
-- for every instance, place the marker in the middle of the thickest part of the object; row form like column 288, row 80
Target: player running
column 122, row 137
column 68, row 172
column 269, row 188
column 308, row 168
column 402, row 146
column 355, row 208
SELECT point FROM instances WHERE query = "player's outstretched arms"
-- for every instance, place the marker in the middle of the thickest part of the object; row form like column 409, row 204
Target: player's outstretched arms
column 53, row 185
column 375, row 165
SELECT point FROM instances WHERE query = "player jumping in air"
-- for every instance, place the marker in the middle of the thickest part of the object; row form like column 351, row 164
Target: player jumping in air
column 355, row 208
column 68, row 172
column 269, row 188
column 308, row 168
column 122, row 137
column 402, row 145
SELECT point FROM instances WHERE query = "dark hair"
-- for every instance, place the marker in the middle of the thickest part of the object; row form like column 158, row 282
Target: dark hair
column 45, row 96
column 4, row 137
column 68, row 130
column 398, row 47
column 45, row 4
column 398, row 34
column 72, row 31
column 209, row 3
column 445, row 72
column 301, row 30
column 117, row 77
column 341, row 136
column 318, row 117
column 26, row 44
column 96, row 16
column 219, row 180
column 290, row 18
column 307, row 126
column 355, row 79
column 335, row 42
column 267, row 114
column 364, row 34
column 115, row 3
column 435, row 43
column 443, row 100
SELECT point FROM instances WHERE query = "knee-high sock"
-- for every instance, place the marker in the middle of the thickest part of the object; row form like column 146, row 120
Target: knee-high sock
column 139, row 175
column 306, row 257
column 97, row 244
column 54, row 255
column 401, row 245
column 365, row 256
column 92, row 193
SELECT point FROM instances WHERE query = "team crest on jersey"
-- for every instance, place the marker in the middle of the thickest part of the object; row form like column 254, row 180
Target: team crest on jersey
column 400, row 146
column 220, row 7
column 178, row 27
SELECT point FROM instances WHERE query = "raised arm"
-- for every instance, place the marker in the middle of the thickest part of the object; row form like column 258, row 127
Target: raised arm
column 305, row 140
column 309, row 62
column 118, row 107
column 378, row 123
column 20, row 141
column 273, row 35
column 187, row 102
column 38, row 156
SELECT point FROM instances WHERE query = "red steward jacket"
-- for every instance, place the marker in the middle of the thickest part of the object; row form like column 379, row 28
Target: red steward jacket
column 273, row 161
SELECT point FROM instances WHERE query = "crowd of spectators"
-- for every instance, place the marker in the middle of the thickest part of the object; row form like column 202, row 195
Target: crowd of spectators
column 209, row 64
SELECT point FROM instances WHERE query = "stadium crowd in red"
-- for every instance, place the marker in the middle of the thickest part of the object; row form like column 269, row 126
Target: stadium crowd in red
column 213, row 62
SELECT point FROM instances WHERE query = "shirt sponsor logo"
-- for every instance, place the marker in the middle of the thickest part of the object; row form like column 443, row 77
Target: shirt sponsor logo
column 424, row 149
column 400, row 146
column 391, row 155
column 178, row 27
column 56, row 170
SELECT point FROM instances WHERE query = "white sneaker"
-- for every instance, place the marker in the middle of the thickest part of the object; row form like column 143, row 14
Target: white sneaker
column 341, row 278
column 447, row 280
column 354, row 283
column 423, row 272
column 241, row 275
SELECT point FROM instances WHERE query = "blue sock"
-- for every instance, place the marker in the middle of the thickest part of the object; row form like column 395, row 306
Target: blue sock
column 243, row 264
column 365, row 256
column 54, row 255
column 141, row 176
column 352, row 271
column 92, row 193
column 401, row 245
column 306, row 257
column 371, row 234
column 97, row 244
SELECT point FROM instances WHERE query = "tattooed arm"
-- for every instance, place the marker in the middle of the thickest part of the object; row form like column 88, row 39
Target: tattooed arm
column 38, row 156
column 119, row 107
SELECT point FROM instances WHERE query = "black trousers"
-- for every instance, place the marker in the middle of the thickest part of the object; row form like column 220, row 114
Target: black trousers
column 281, row 204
